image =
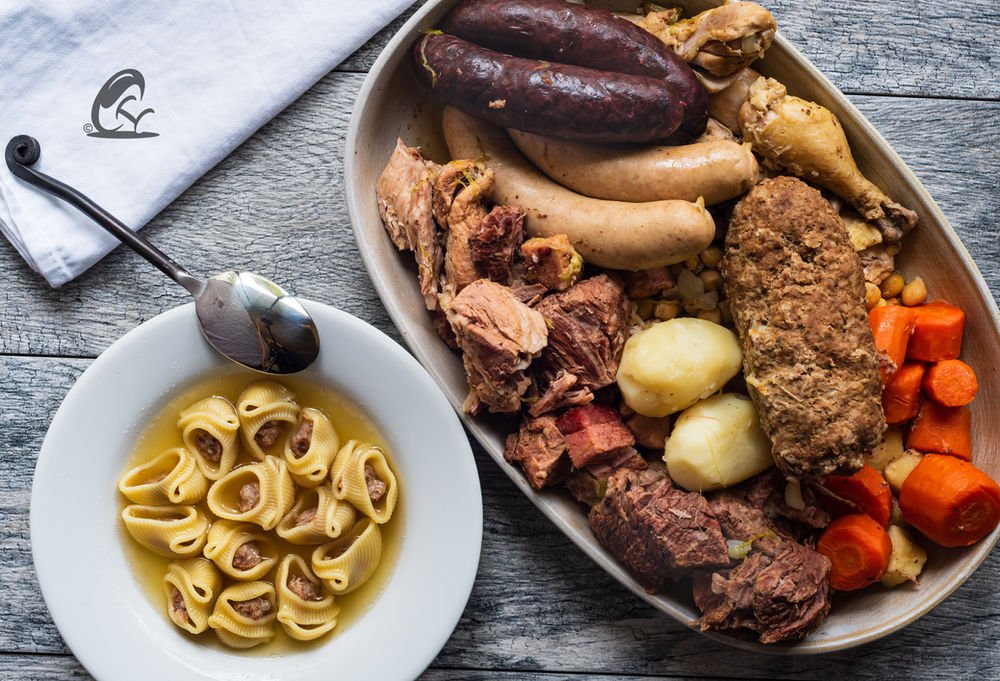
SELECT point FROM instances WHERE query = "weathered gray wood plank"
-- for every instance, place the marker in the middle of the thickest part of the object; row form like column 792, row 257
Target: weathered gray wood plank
column 930, row 49
column 276, row 206
column 538, row 604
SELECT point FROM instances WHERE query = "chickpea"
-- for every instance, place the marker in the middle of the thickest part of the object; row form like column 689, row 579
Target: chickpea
column 872, row 295
column 893, row 285
column 711, row 279
column 692, row 263
column 711, row 257
column 644, row 308
column 711, row 315
column 914, row 293
column 667, row 309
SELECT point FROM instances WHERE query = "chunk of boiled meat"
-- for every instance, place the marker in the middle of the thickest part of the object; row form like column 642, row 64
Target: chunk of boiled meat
column 552, row 261
column 499, row 336
column 539, row 447
column 588, row 484
column 494, row 243
column 655, row 528
column 461, row 192
column 563, row 392
column 648, row 283
column 594, row 433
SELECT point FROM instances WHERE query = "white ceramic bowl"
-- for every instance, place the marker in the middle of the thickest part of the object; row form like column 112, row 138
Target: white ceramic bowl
column 392, row 103
column 106, row 617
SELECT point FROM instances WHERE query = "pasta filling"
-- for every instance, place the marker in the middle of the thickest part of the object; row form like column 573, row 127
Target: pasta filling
column 178, row 607
column 247, row 556
column 249, row 496
column 208, row 446
column 376, row 487
column 268, row 434
column 302, row 439
column 305, row 589
column 305, row 517
column 255, row 608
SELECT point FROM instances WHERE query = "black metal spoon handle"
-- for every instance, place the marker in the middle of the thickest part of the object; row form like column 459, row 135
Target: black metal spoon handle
column 23, row 151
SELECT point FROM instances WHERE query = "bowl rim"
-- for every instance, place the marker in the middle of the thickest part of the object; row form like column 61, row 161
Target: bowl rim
column 582, row 537
column 441, row 602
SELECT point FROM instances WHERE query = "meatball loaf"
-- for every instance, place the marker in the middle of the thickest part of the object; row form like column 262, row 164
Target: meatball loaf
column 797, row 293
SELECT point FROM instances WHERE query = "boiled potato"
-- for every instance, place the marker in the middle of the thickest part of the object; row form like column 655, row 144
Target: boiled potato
column 900, row 468
column 886, row 451
column 673, row 364
column 907, row 558
column 717, row 443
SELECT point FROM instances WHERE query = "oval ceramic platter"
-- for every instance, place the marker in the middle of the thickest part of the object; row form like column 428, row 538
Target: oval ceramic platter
column 393, row 104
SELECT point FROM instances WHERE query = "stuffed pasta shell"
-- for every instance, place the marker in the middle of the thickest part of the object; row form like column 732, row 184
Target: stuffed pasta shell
column 190, row 587
column 209, row 429
column 316, row 517
column 305, row 608
column 171, row 531
column 259, row 493
column 244, row 615
column 266, row 410
column 361, row 475
column 346, row 563
column 241, row 550
column 173, row 477
column 311, row 448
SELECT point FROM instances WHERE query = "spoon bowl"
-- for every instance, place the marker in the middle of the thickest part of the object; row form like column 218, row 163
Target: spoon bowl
column 249, row 319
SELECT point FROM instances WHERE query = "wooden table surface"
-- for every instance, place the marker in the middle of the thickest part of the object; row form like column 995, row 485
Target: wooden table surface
column 924, row 73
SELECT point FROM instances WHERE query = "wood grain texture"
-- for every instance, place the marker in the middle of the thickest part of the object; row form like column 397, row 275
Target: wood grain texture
column 539, row 604
column 917, row 49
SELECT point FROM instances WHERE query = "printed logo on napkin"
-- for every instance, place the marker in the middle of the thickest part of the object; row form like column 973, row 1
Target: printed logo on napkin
column 118, row 110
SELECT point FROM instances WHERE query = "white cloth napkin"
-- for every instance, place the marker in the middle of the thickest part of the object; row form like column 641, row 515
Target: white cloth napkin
column 202, row 75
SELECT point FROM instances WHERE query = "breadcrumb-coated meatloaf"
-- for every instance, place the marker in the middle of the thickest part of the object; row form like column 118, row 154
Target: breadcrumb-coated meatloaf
column 797, row 294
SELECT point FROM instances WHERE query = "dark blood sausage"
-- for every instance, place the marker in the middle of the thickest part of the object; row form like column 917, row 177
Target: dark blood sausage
column 582, row 36
column 572, row 102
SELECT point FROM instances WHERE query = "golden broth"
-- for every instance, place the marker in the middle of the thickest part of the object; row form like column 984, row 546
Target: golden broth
column 350, row 423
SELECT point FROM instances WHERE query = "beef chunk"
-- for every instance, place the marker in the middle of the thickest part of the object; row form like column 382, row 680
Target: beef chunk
column 495, row 241
column 247, row 556
column 249, row 496
column 655, row 528
column 792, row 594
column 268, row 434
column 650, row 431
column 460, row 195
column 305, row 589
column 594, row 433
column 587, row 327
column 552, row 261
column 648, row 283
column 767, row 491
column 255, row 608
column 499, row 336
column 302, row 439
column 588, row 484
column 562, row 393
column 178, row 607
column 405, row 204
column 376, row 487
column 725, row 598
column 208, row 445
column 540, row 449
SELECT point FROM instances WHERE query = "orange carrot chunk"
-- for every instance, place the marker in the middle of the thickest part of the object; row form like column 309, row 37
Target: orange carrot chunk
column 937, row 332
column 866, row 490
column 951, row 501
column 859, row 550
column 892, row 326
column 901, row 397
column 951, row 382
column 942, row 430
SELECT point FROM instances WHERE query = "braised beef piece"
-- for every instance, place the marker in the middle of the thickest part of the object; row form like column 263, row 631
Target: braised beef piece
column 247, row 556
column 648, row 283
column 552, row 261
column 305, row 589
column 495, row 241
column 249, row 496
column 268, row 434
column 587, row 329
column 405, row 204
column 588, row 484
column 792, row 594
column 376, row 488
column 561, row 393
column 767, row 491
column 539, row 447
column 594, row 433
column 499, row 336
column 178, row 606
column 302, row 439
column 255, row 608
column 461, row 192
column 208, row 446
column 443, row 328
column 650, row 431
column 528, row 293
column 655, row 528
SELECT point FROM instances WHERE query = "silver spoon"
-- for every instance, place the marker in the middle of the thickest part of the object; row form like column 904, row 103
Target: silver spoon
column 247, row 318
